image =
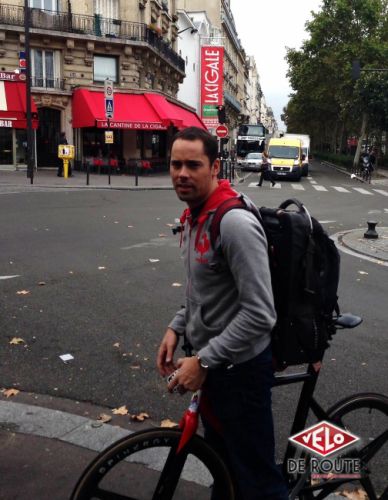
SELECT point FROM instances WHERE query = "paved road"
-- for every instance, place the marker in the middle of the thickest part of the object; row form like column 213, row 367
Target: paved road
column 99, row 268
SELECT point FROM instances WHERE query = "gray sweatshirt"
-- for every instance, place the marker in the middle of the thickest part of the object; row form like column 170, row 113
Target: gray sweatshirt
column 229, row 311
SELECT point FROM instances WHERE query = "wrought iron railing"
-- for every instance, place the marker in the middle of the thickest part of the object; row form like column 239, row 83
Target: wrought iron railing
column 48, row 83
column 91, row 25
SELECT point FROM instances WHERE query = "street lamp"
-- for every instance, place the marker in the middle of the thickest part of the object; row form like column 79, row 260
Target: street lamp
column 30, row 164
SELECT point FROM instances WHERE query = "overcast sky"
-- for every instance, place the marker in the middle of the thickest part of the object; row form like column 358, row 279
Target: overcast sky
column 265, row 30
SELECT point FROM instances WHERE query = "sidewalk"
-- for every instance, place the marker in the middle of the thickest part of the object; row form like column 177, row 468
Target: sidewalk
column 48, row 178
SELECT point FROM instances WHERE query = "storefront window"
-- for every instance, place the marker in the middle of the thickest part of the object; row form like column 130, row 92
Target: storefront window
column 21, row 146
column 94, row 144
column 6, row 146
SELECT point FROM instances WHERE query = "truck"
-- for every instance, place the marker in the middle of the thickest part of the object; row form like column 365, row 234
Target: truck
column 305, row 140
column 285, row 158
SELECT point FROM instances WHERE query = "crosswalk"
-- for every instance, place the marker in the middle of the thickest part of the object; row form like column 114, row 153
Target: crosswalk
column 312, row 184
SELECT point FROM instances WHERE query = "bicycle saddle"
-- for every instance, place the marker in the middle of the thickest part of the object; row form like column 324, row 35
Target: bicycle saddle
column 347, row 320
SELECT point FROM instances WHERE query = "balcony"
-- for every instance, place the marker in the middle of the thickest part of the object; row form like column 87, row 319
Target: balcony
column 96, row 25
column 48, row 83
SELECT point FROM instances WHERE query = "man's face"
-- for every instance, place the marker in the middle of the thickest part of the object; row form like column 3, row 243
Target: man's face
column 193, row 178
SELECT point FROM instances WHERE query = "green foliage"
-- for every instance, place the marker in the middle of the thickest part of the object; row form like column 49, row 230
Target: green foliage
column 326, row 102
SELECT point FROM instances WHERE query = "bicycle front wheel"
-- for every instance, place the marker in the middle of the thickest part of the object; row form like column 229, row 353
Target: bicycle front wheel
column 366, row 416
column 145, row 466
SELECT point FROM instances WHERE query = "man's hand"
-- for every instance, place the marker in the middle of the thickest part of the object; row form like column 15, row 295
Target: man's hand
column 190, row 375
column 165, row 358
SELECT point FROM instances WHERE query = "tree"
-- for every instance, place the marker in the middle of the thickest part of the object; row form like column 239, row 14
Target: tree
column 326, row 101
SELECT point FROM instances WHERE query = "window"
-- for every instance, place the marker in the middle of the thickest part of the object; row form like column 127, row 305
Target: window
column 45, row 68
column 44, row 4
column 107, row 16
column 105, row 67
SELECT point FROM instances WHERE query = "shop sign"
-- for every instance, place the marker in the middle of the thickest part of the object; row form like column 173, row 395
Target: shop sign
column 6, row 123
column 11, row 77
column 108, row 137
column 212, row 82
column 130, row 125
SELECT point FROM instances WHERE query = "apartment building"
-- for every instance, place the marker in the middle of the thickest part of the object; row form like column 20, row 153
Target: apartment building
column 75, row 46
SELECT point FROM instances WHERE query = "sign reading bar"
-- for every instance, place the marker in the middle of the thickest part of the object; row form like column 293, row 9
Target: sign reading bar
column 212, row 82
column 11, row 77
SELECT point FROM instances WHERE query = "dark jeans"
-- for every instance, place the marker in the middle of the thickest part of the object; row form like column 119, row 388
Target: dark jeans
column 240, row 399
column 269, row 177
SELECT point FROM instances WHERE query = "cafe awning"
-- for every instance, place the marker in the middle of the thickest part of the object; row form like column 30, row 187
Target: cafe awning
column 13, row 105
column 131, row 111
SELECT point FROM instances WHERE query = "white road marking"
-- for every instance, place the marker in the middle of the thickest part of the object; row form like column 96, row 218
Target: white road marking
column 298, row 187
column 252, row 184
column 340, row 189
column 276, row 186
column 9, row 277
column 320, row 188
column 327, row 221
column 312, row 182
column 363, row 191
column 380, row 191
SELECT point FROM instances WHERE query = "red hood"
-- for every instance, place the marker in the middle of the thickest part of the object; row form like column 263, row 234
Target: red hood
column 223, row 192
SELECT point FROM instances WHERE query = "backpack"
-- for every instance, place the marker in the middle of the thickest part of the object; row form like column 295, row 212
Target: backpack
column 304, row 265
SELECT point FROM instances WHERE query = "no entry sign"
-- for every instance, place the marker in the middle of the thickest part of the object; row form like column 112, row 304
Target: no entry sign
column 222, row 131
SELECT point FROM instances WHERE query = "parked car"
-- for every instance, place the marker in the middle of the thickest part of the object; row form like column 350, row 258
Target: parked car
column 252, row 162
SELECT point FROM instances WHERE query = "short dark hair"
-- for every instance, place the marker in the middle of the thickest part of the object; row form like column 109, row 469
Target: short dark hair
column 210, row 144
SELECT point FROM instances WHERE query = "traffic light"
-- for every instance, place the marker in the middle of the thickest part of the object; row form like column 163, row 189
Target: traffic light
column 221, row 114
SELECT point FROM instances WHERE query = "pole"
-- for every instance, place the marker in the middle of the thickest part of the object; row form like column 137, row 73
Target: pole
column 109, row 163
column 30, row 154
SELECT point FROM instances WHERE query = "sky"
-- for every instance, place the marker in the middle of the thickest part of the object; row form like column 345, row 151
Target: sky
column 265, row 30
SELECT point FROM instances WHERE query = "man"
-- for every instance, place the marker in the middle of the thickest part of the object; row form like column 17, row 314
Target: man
column 228, row 318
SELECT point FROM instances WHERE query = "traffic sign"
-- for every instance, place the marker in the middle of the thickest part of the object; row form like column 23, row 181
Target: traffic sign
column 109, row 108
column 108, row 89
column 222, row 131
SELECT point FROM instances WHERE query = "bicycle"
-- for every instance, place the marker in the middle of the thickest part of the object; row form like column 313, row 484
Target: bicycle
column 178, row 449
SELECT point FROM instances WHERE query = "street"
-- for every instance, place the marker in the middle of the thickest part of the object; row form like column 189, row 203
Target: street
column 98, row 275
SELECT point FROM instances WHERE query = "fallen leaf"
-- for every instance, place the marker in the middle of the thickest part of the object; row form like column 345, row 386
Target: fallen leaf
column 135, row 367
column 41, row 283
column 117, row 344
column 154, row 260
column 22, row 292
column 101, row 267
column 168, row 423
column 176, row 284
column 10, row 392
column 17, row 340
column 362, row 272
column 140, row 417
column 71, row 272
column 103, row 417
column 170, row 225
column 116, row 222
column 129, row 226
column 162, row 235
column 120, row 411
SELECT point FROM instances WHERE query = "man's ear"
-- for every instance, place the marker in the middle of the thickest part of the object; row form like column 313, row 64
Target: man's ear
column 216, row 167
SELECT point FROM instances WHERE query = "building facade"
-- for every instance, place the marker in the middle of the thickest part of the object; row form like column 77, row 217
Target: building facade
column 75, row 46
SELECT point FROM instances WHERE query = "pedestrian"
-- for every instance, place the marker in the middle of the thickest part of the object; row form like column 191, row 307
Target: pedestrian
column 265, row 169
column 227, row 318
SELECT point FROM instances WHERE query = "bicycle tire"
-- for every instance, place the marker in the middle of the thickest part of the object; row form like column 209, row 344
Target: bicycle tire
column 101, row 469
column 354, row 413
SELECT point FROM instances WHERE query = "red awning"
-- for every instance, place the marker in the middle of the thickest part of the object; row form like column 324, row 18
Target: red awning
column 131, row 111
column 13, row 105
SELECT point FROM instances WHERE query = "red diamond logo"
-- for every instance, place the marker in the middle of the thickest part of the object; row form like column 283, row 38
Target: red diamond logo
column 324, row 439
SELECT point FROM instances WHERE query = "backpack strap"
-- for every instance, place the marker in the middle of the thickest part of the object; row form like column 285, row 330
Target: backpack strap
column 222, row 209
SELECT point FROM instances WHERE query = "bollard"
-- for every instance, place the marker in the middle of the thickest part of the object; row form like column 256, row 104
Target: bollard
column 371, row 233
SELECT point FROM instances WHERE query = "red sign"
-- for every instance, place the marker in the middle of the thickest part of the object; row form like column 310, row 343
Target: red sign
column 222, row 131
column 212, row 82
column 11, row 77
column 324, row 439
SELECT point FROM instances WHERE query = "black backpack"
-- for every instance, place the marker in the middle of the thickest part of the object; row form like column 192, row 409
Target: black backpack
column 304, row 264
